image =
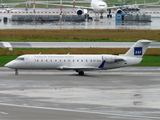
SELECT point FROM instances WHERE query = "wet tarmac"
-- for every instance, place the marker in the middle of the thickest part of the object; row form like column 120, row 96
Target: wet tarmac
column 130, row 93
column 101, row 24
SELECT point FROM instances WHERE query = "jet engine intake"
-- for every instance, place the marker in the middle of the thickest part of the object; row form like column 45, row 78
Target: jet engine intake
column 119, row 11
column 79, row 11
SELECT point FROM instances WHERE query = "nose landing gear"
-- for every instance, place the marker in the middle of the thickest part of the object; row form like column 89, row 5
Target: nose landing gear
column 16, row 72
column 101, row 16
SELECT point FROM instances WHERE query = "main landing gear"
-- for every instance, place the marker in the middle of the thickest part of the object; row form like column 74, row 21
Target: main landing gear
column 16, row 72
column 80, row 72
column 109, row 14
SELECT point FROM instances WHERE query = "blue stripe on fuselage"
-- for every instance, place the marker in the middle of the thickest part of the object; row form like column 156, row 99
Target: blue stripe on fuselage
column 102, row 64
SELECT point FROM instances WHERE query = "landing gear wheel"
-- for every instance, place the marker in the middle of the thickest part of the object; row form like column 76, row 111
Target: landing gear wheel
column 81, row 73
column 16, row 72
column 101, row 17
column 109, row 16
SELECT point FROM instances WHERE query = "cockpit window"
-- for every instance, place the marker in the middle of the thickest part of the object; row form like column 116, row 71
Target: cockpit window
column 102, row 5
column 22, row 59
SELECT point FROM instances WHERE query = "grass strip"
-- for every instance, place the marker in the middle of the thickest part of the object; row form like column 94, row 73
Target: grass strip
column 150, row 61
column 114, row 51
column 78, row 35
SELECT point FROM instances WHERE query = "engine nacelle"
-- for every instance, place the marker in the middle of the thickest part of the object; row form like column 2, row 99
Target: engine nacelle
column 109, row 59
column 119, row 11
column 79, row 11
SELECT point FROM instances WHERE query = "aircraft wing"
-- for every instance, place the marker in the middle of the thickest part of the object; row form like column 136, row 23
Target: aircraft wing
column 81, row 7
column 114, row 7
column 78, row 68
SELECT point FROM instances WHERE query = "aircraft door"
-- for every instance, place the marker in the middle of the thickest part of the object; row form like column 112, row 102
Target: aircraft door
column 68, row 60
column 31, row 61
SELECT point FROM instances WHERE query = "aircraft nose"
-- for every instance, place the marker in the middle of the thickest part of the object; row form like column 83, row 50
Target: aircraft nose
column 103, row 10
column 10, row 65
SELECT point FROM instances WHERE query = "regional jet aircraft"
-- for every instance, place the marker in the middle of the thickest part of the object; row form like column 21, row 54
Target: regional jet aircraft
column 80, row 63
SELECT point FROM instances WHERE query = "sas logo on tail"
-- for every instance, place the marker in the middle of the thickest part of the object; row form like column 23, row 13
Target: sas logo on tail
column 138, row 51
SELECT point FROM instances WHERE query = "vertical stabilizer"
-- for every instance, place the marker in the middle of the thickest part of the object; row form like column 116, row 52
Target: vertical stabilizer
column 138, row 49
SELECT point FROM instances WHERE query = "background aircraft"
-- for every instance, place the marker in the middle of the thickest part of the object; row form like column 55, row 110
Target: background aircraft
column 80, row 63
column 97, row 6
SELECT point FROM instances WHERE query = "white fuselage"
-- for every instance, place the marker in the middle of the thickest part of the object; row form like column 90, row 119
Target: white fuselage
column 80, row 63
column 71, row 62
column 98, row 6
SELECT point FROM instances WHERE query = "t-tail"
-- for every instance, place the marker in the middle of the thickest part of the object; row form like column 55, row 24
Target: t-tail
column 138, row 49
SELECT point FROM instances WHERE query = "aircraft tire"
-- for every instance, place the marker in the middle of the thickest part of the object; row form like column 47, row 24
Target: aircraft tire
column 109, row 16
column 16, row 72
column 101, row 17
column 81, row 73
